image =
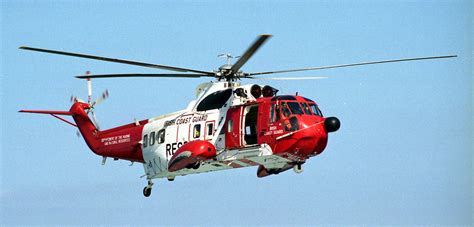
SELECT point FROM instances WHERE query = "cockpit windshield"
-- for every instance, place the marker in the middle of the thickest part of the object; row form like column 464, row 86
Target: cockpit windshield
column 295, row 108
column 286, row 107
column 315, row 109
column 305, row 108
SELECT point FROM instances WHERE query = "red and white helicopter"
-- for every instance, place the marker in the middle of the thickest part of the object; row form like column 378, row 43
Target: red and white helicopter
column 227, row 126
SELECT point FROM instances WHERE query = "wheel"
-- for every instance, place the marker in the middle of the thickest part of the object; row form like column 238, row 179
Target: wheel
column 298, row 168
column 196, row 165
column 146, row 191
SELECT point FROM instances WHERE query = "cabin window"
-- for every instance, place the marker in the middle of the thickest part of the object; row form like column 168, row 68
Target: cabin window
column 230, row 125
column 306, row 108
column 295, row 108
column 160, row 137
column 152, row 138
column 274, row 113
column 215, row 100
column 210, row 129
column 145, row 140
column 197, row 131
column 277, row 114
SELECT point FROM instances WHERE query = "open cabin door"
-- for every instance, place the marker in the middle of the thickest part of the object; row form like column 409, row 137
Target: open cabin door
column 241, row 126
column 250, row 125
column 232, row 128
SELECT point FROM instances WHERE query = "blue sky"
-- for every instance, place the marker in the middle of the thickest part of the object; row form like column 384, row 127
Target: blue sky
column 402, row 156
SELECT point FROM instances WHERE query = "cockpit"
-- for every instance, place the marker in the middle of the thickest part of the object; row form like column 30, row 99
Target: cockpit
column 259, row 116
column 289, row 109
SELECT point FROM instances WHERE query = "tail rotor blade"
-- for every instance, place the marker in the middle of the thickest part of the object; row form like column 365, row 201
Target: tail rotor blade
column 75, row 99
column 94, row 119
column 102, row 98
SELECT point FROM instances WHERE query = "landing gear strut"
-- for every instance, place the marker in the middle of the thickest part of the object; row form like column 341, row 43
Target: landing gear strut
column 147, row 189
column 298, row 168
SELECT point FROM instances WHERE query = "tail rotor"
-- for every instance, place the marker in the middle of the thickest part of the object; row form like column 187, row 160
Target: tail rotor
column 92, row 104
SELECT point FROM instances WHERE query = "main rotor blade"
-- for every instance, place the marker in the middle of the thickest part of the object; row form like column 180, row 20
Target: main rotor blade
column 249, row 52
column 170, row 75
column 287, row 78
column 353, row 64
column 143, row 64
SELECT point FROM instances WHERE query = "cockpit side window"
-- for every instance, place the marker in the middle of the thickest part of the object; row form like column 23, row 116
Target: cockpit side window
column 291, row 124
column 295, row 108
column 285, row 110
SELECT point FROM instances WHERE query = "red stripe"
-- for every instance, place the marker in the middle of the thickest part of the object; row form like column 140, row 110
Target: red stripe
column 232, row 164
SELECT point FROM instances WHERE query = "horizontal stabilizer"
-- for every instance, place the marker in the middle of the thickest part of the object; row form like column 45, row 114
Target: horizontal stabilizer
column 55, row 112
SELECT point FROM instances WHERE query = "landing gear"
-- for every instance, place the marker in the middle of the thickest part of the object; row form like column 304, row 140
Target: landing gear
column 197, row 165
column 147, row 189
column 298, row 168
column 194, row 165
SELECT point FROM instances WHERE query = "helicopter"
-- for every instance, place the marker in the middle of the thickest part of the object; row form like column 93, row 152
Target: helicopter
column 227, row 126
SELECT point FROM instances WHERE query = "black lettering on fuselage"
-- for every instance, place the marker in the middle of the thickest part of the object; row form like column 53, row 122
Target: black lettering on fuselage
column 172, row 147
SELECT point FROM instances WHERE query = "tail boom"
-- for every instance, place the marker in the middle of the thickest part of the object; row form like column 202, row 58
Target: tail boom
column 119, row 143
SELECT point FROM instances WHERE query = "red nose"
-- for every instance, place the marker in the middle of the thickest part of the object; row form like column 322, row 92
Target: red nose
column 313, row 141
column 309, row 140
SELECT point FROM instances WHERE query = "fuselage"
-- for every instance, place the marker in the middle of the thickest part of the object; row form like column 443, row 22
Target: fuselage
column 246, row 125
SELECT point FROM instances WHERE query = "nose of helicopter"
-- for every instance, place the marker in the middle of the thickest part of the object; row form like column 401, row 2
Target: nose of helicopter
column 313, row 140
